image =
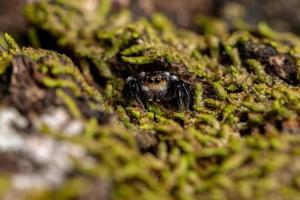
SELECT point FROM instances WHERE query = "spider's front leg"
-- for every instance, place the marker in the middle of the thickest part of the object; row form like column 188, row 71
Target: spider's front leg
column 132, row 92
column 181, row 92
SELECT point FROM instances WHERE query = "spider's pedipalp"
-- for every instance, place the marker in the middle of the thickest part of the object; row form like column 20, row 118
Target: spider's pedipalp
column 173, row 78
column 141, row 75
column 167, row 74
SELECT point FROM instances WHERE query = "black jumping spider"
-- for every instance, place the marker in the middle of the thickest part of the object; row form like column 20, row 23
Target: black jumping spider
column 158, row 86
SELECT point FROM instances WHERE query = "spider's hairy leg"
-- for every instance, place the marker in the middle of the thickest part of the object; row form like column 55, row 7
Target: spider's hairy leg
column 132, row 92
column 182, row 94
column 188, row 95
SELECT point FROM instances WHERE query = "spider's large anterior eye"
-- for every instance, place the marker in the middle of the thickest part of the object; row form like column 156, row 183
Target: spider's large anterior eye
column 157, row 80
column 150, row 80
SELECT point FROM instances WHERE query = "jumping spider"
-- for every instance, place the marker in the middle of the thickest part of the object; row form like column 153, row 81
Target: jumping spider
column 158, row 86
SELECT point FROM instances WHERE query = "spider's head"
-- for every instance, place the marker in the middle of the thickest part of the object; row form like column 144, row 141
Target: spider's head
column 154, row 84
column 155, row 81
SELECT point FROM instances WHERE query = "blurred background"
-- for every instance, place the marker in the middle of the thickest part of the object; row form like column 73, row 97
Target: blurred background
column 282, row 15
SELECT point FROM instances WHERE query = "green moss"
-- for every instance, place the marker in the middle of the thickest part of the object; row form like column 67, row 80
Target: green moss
column 237, row 142
column 259, row 71
column 220, row 91
column 69, row 103
column 4, row 185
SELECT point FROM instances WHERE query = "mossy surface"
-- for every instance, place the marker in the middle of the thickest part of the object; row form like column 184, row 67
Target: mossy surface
column 240, row 140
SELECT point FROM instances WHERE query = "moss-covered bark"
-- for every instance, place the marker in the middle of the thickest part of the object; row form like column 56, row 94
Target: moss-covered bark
column 240, row 140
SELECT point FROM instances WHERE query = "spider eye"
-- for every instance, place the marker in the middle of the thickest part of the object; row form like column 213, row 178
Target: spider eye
column 150, row 80
column 157, row 80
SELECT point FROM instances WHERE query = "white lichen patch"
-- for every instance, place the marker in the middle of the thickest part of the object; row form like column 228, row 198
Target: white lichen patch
column 54, row 159
column 74, row 127
column 58, row 120
column 55, row 119
column 10, row 140
column 45, row 161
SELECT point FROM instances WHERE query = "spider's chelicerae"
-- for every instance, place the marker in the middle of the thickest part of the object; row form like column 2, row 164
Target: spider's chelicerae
column 158, row 86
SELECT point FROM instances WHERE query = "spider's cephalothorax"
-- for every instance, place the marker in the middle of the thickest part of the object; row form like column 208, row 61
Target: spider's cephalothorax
column 158, row 86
